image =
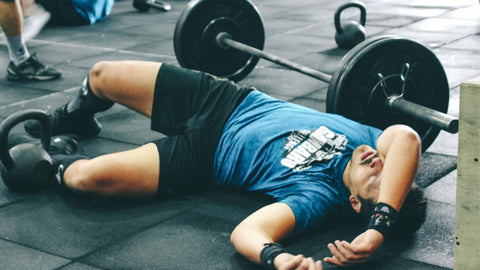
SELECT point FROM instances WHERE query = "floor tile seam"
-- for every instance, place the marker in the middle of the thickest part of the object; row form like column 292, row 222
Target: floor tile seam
column 36, row 248
column 146, row 54
column 460, row 38
column 11, row 203
column 404, row 257
column 439, row 6
column 424, row 263
column 309, row 96
column 415, row 19
column 476, row 52
column 130, row 235
column 420, row 31
column 11, row 105
column 265, row 64
column 108, row 50
column 434, row 47
column 438, row 201
column 37, row 85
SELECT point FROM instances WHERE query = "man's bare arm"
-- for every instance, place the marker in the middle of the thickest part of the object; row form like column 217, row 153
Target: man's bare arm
column 401, row 147
column 269, row 225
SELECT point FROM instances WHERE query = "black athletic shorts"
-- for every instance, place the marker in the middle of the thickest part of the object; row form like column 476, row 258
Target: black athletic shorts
column 192, row 108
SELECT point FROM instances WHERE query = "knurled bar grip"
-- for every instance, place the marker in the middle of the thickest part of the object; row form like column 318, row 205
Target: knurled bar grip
column 426, row 115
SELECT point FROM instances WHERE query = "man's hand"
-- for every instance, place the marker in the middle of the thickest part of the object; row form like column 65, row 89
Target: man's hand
column 359, row 251
column 286, row 261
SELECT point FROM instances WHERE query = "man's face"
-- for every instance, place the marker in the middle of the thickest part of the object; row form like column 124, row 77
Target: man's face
column 364, row 175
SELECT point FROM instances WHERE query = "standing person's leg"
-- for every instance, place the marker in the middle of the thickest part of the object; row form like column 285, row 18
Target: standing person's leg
column 22, row 66
column 11, row 19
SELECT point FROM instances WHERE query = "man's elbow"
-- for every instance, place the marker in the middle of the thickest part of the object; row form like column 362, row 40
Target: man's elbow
column 412, row 137
column 237, row 234
column 408, row 135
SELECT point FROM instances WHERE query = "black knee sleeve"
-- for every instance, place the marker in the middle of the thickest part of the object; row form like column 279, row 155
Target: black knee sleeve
column 87, row 103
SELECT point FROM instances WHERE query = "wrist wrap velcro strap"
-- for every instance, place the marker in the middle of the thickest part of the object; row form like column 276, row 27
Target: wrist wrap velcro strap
column 383, row 219
column 269, row 253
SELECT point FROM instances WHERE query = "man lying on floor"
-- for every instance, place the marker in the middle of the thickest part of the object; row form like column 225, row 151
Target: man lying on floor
column 320, row 168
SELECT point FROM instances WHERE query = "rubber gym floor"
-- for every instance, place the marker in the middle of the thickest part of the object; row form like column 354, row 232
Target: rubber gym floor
column 55, row 230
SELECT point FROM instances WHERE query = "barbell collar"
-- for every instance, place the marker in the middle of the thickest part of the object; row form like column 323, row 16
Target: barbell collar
column 421, row 113
column 223, row 40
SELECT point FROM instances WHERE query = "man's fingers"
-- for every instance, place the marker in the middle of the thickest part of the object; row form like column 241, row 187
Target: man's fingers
column 309, row 264
column 335, row 252
column 356, row 249
column 333, row 260
column 294, row 262
column 343, row 256
column 348, row 252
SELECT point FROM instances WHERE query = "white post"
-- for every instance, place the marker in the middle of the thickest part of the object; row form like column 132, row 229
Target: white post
column 467, row 215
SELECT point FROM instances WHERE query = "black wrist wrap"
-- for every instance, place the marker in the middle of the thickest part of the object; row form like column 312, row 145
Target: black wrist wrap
column 383, row 219
column 269, row 253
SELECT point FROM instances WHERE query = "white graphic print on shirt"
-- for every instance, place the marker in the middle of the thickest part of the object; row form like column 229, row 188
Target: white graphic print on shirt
column 304, row 147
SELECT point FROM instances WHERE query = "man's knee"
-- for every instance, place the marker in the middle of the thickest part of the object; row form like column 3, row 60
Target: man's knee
column 98, row 77
column 78, row 178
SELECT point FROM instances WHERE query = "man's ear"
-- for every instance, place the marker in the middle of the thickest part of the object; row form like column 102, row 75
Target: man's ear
column 356, row 204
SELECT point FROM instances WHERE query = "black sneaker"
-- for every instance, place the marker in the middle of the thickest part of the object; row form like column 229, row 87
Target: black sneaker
column 32, row 69
column 63, row 144
column 63, row 151
column 58, row 144
column 62, row 123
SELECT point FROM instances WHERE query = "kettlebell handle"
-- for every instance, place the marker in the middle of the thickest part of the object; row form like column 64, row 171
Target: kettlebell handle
column 18, row 117
column 357, row 4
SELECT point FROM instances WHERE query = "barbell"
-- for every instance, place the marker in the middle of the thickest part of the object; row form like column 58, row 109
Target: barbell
column 382, row 81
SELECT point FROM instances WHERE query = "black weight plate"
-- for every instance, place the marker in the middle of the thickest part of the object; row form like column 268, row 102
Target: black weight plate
column 199, row 24
column 353, row 93
column 342, row 65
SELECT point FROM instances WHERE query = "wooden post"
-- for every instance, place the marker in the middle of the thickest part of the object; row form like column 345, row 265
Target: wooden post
column 467, row 215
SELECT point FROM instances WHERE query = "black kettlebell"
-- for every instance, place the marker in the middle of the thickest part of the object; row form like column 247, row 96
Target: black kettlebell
column 351, row 33
column 27, row 167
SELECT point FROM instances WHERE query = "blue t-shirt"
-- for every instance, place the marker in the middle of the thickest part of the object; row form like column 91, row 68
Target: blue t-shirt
column 293, row 153
column 93, row 10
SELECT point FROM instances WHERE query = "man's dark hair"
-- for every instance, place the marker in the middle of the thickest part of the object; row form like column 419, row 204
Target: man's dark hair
column 411, row 216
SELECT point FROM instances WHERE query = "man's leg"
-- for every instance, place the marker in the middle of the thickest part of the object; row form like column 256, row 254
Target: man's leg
column 132, row 173
column 130, row 83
